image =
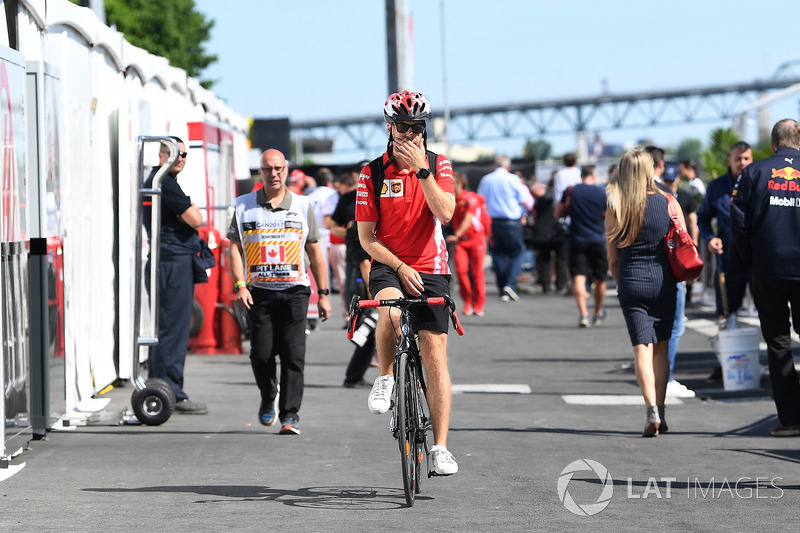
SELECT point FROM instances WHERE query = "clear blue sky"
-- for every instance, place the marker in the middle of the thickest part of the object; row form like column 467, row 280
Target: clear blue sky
column 319, row 59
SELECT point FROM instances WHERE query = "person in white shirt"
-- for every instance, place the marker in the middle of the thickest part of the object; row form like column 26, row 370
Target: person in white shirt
column 565, row 178
column 323, row 200
column 688, row 170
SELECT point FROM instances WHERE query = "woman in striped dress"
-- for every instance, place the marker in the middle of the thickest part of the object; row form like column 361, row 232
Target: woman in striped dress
column 636, row 222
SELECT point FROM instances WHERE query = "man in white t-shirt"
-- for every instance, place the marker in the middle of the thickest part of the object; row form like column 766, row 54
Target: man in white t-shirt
column 567, row 177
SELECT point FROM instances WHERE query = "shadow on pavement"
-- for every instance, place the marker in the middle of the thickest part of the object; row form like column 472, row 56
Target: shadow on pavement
column 332, row 498
column 792, row 456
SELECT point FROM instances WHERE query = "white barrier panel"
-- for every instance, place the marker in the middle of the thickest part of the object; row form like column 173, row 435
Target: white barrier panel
column 106, row 85
column 14, row 235
column 64, row 46
column 108, row 92
column 112, row 92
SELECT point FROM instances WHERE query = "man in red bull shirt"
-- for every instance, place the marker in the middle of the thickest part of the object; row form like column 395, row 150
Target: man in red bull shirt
column 400, row 227
column 765, row 213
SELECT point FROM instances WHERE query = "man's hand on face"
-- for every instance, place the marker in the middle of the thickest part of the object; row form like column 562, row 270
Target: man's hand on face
column 410, row 153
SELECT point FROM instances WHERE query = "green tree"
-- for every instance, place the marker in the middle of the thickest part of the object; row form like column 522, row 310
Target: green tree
column 762, row 149
column 170, row 28
column 690, row 149
column 539, row 150
column 715, row 158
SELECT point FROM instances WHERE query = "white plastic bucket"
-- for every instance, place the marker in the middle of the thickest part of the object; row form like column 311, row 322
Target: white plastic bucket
column 737, row 352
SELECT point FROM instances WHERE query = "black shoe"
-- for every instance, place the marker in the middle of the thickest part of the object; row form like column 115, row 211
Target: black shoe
column 188, row 407
column 785, row 431
column 716, row 376
column 360, row 384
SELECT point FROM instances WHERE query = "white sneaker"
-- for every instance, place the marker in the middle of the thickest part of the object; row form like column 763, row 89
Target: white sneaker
column 511, row 293
column 380, row 397
column 444, row 464
column 676, row 389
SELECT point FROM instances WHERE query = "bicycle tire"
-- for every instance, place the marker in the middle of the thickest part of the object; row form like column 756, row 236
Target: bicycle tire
column 423, row 423
column 406, row 427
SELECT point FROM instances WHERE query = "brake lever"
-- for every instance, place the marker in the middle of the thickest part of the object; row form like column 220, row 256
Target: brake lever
column 355, row 310
column 451, row 306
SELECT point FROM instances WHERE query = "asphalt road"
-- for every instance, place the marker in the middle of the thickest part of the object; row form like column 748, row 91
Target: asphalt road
column 528, row 461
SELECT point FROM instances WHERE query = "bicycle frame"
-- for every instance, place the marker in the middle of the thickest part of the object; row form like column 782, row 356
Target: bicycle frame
column 411, row 416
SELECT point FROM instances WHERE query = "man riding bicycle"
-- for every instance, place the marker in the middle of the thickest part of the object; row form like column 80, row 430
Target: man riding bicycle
column 400, row 227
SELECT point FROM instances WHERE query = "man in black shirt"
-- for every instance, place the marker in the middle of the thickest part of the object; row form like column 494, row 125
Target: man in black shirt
column 179, row 243
column 358, row 264
column 764, row 221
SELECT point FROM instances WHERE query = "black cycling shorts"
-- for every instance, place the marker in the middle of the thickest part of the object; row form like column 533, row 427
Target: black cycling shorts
column 588, row 259
column 429, row 317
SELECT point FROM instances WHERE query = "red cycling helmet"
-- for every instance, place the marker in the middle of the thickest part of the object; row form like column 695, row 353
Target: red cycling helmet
column 406, row 106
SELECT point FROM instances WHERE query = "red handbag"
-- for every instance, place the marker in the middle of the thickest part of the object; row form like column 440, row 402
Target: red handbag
column 684, row 258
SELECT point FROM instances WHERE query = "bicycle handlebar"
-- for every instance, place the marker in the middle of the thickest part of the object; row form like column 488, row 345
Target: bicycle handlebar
column 400, row 302
column 358, row 304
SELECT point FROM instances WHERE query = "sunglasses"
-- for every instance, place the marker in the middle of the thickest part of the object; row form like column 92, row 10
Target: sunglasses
column 402, row 127
column 180, row 154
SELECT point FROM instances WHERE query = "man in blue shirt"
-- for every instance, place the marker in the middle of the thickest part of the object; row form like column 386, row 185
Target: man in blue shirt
column 717, row 204
column 507, row 200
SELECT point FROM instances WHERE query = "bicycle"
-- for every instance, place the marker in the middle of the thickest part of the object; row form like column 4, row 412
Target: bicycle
column 410, row 413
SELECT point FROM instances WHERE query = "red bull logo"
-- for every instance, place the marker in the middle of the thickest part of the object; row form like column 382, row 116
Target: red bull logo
column 787, row 173
column 793, row 186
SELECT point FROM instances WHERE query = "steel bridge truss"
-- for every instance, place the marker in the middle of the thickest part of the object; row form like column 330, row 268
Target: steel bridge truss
column 538, row 119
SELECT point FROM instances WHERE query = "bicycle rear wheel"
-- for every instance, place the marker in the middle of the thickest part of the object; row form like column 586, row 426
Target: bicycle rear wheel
column 407, row 426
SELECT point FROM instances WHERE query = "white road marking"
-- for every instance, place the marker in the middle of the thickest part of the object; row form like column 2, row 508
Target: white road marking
column 610, row 399
column 492, row 388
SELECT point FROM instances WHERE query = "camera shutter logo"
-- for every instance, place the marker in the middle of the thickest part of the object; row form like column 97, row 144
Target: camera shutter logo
column 585, row 465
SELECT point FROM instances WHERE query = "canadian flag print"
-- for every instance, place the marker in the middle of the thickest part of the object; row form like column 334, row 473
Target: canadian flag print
column 273, row 253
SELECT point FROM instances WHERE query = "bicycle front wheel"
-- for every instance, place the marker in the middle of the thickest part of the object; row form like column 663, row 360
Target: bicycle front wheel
column 423, row 423
column 405, row 383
